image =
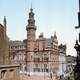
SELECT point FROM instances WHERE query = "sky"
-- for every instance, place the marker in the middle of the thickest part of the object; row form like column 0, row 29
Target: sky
column 51, row 16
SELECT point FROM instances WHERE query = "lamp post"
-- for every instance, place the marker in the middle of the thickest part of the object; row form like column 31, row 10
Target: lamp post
column 77, row 66
column 77, row 47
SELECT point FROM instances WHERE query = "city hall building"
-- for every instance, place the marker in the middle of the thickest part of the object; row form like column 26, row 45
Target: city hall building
column 35, row 55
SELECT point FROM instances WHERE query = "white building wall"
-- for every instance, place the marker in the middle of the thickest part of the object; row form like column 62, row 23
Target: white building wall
column 62, row 64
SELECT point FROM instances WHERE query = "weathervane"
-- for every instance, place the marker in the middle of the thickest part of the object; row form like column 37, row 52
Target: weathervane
column 31, row 6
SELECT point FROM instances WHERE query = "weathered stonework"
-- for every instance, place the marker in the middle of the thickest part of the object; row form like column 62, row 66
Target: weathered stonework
column 4, row 44
column 9, row 72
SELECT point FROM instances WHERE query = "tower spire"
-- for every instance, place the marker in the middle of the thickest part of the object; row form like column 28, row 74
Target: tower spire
column 5, row 24
column 31, row 6
column 4, row 21
column 31, row 3
column 31, row 20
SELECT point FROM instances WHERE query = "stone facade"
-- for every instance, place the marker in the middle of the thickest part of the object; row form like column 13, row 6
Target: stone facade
column 4, row 44
column 62, row 61
column 9, row 72
column 18, row 53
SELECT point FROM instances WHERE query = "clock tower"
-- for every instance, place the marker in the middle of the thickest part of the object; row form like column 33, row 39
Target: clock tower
column 31, row 38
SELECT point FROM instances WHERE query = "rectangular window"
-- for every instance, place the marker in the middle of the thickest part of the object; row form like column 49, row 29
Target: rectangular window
column 36, row 69
column 45, row 59
column 36, row 59
column 45, row 65
column 46, row 70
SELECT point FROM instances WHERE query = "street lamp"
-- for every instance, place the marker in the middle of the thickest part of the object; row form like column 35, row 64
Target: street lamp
column 77, row 47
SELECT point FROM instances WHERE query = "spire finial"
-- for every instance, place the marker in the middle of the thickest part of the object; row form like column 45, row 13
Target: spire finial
column 31, row 3
column 31, row 6
column 4, row 21
column 55, row 34
column 4, row 18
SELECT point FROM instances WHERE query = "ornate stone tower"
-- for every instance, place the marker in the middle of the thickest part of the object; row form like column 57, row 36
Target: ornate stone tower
column 31, row 30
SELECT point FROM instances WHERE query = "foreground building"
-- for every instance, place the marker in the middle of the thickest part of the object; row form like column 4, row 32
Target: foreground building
column 7, row 71
column 4, row 43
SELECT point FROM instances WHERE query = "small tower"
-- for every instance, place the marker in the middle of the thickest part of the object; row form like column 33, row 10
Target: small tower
column 5, row 23
column 31, row 38
column 55, row 38
column 31, row 30
column 41, row 42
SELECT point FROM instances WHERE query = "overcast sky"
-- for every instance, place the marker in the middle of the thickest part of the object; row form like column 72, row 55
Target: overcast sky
column 50, row 15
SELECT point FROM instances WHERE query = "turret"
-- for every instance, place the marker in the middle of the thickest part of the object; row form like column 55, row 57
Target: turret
column 4, row 21
column 41, row 43
column 31, row 21
column 5, row 24
column 31, row 31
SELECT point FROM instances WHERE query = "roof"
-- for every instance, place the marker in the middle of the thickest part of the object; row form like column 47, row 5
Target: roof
column 16, row 43
column 47, row 42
